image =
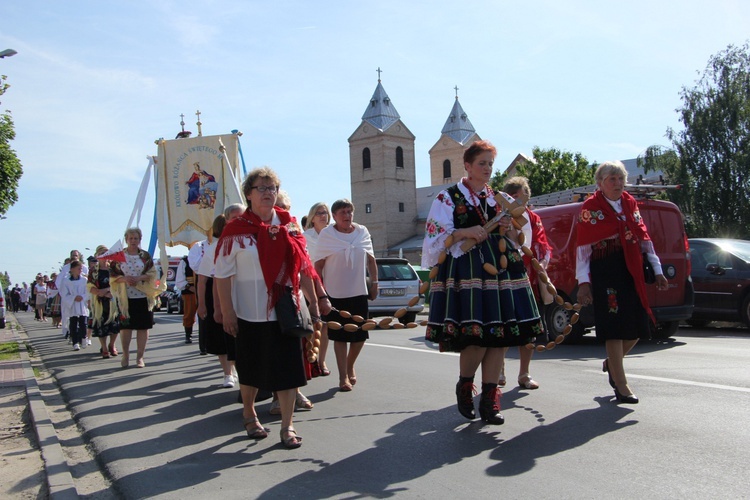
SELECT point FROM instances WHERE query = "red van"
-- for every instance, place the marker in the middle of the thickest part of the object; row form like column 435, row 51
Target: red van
column 664, row 222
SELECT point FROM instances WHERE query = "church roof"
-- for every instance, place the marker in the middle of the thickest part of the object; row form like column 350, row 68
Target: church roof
column 380, row 113
column 457, row 126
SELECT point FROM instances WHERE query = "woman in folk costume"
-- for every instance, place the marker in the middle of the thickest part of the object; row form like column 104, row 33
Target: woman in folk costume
column 536, row 240
column 612, row 239
column 344, row 256
column 260, row 254
column 134, row 289
column 105, row 319
column 53, row 296
column 472, row 311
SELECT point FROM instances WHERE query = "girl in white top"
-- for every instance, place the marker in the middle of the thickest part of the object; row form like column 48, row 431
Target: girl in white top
column 41, row 297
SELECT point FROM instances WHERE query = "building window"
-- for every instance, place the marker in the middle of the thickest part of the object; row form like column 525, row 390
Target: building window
column 400, row 206
column 447, row 169
column 400, row 157
column 366, row 158
column 368, row 208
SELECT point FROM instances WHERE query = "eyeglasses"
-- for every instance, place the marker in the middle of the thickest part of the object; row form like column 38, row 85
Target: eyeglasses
column 263, row 189
column 322, row 213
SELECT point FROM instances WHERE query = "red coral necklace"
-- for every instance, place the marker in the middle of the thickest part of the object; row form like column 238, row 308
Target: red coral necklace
column 476, row 199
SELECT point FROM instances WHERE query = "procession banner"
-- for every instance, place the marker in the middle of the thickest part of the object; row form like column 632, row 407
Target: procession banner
column 195, row 182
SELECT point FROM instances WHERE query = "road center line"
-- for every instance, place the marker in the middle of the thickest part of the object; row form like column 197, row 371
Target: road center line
column 643, row 377
column 685, row 382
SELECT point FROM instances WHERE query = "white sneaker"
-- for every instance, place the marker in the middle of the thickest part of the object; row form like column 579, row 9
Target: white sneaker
column 228, row 381
column 76, row 347
column 83, row 344
column 88, row 341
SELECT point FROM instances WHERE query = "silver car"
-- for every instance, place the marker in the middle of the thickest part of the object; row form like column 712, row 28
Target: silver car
column 398, row 284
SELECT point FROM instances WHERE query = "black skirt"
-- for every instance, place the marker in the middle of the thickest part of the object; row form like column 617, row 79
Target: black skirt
column 268, row 359
column 618, row 312
column 141, row 318
column 217, row 340
column 354, row 305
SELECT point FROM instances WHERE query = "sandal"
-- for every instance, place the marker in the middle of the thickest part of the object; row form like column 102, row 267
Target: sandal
column 302, row 403
column 527, row 382
column 502, row 381
column 324, row 372
column 292, row 440
column 345, row 387
column 353, row 381
column 113, row 351
column 258, row 431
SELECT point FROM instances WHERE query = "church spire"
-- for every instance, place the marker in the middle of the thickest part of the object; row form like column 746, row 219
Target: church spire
column 380, row 113
column 457, row 126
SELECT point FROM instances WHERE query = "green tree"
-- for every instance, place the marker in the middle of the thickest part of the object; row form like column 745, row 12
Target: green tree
column 662, row 159
column 714, row 146
column 10, row 166
column 4, row 280
column 551, row 170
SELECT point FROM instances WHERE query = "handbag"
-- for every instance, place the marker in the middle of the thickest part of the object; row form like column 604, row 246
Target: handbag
column 648, row 271
column 293, row 317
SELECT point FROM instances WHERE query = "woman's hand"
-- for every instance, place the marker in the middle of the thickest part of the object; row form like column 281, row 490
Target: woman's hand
column 229, row 321
column 219, row 317
column 324, row 306
column 661, row 282
column 202, row 311
column 583, row 296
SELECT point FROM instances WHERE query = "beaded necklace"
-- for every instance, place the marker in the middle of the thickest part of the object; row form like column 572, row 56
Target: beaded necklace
column 476, row 200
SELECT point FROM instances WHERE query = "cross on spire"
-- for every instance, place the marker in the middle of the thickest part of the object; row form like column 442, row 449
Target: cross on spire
column 379, row 71
column 198, row 114
column 456, row 89
column 182, row 121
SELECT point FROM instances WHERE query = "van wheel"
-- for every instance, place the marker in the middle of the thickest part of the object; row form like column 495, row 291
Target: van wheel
column 664, row 330
column 409, row 317
column 745, row 312
column 557, row 318
column 2, row 322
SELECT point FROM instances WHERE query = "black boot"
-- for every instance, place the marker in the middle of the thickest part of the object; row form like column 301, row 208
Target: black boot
column 188, row 334
column 489, row 405
column 465, row 392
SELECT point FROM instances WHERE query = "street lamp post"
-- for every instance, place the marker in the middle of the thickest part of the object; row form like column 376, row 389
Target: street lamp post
column 7, row 53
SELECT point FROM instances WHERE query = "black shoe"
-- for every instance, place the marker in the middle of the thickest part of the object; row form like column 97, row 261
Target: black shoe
column 465, row 398
column 188, row 340
column 489, row 405
column 628, row 400
column 203, row 353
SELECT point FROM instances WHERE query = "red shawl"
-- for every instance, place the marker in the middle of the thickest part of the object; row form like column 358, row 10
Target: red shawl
column 282, row 249
column 539, row 245
column 598, row 221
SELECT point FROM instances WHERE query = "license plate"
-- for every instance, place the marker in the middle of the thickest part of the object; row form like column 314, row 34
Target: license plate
column 393, row 292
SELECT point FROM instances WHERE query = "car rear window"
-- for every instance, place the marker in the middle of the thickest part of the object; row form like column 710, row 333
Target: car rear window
column 396, row 272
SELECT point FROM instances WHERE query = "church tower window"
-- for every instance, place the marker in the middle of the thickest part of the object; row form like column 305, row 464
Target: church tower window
column 366, row 158
column 399, row 157
column 401, row 206
column 447, row 169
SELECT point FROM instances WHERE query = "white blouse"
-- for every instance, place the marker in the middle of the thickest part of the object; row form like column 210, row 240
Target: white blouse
column 206, row 266
column 311, row 237
column 133, row 266
column 249, row 291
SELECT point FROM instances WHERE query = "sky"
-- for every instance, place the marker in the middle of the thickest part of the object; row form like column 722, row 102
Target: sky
column 94, row 84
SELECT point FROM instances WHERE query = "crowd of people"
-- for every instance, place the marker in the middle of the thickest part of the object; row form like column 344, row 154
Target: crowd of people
column 256, row 254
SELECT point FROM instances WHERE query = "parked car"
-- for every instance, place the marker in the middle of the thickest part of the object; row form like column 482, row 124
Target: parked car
column 170, row 300
column 664, row 222
column 398, row 284
column 2, row 308
column 721, row 277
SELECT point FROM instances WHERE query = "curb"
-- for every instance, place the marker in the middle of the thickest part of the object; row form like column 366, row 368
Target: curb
column 57, row 470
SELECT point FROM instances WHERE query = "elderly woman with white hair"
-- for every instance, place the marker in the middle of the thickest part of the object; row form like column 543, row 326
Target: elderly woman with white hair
column 612, row 243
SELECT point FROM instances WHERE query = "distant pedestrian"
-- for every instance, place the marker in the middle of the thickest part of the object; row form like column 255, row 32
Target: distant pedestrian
column 73, row 293
column 105, row 318
column 40, row 298
column 186, row 284
column 133, row 286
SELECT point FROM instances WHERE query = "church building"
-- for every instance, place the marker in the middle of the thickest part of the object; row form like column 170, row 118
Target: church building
column 383, row 174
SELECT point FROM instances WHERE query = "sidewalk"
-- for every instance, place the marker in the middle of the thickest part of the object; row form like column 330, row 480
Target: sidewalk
column 19, row 373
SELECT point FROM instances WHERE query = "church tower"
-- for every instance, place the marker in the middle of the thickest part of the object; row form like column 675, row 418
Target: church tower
column 447, row 155
column 383, row 173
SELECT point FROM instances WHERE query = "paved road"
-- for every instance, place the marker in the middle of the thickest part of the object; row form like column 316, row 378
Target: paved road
column 171, row 431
